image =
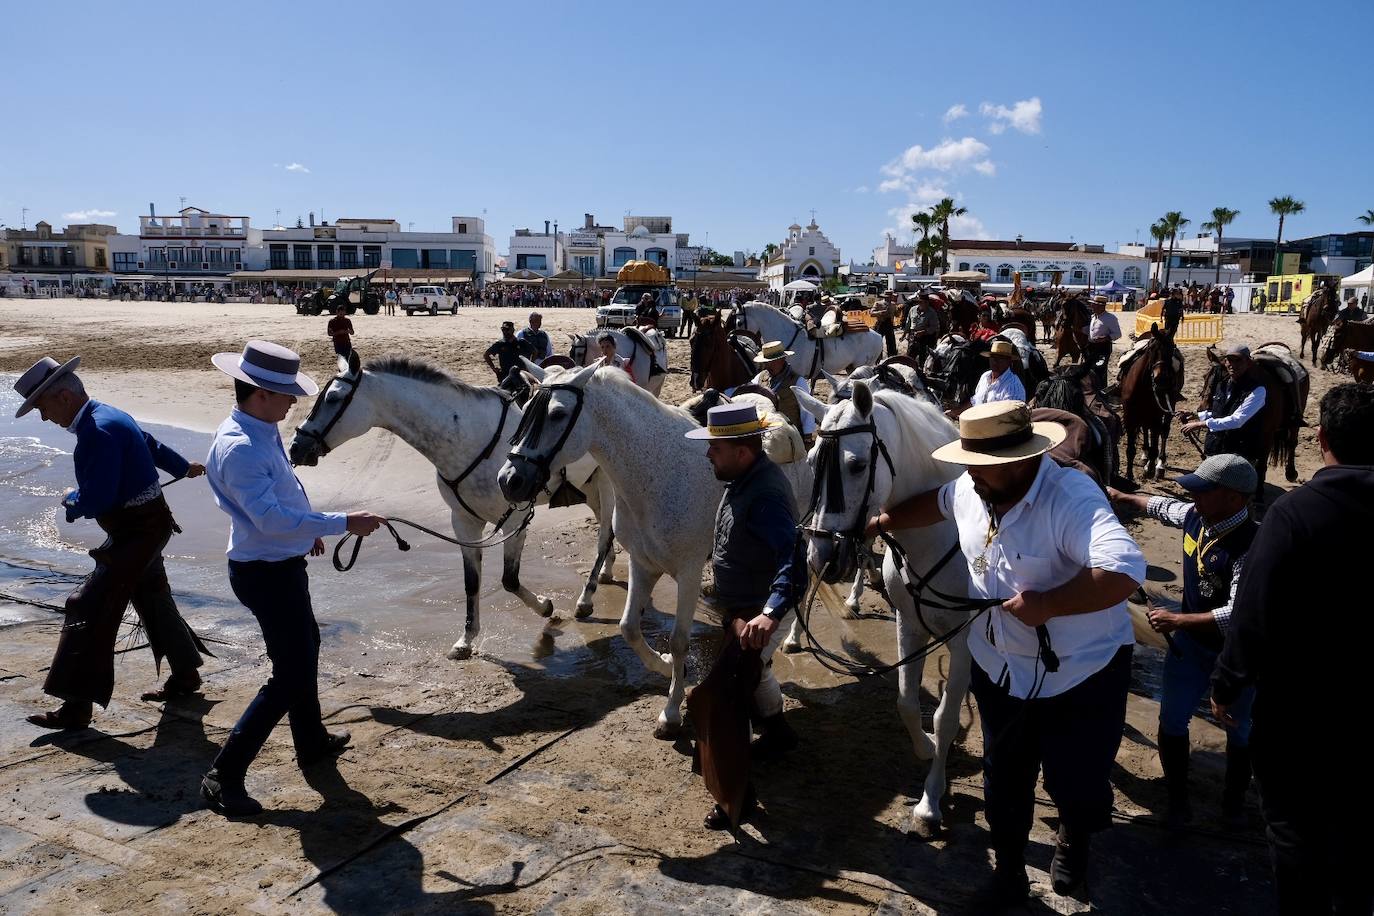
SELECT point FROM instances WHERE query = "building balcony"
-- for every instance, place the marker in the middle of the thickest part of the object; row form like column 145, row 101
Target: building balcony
column 231, row 232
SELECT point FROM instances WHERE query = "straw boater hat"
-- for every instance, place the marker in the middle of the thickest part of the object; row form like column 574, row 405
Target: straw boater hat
column 730, row 421
column 39, row 378
column 269, row 366
column 1101, row 300
column 1003, row 348
column 771, row 351
column 999, row 433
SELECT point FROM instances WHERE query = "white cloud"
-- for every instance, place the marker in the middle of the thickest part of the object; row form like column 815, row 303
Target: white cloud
column 893, row 184
column 955, row 112
column 79, row 215
column 948, row 156
column 921, row 198
column 986, row 167
column 1023, row 116
column 861, row 189
column 297, row 167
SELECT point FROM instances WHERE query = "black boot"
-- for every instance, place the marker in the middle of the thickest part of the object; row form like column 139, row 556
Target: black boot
column 1069, row 867
column 1008, row 887
column 1237, row 785
column 775, row 739
column 1173, row 756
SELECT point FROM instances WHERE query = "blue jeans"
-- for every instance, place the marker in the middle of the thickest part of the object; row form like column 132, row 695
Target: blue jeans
column 278, row 594
column 1187, row 679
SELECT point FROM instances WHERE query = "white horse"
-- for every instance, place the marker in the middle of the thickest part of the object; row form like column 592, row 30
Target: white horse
column 667, row 493
column 909, row 429
column 809, row 355
column 462, row 430
column 641, row 348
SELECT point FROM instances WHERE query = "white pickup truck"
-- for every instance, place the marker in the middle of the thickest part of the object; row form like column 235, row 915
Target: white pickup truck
column 431, row 299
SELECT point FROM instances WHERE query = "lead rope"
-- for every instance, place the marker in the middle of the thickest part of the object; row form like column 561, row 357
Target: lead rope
column 403, row 545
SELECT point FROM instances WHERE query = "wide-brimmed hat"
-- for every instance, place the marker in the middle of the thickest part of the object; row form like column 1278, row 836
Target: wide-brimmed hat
column 730, row 421
column 771, row 351
column 39, row 378
column 1100, row 300
column 266, row 365
column 999, row 433
column 1003, row 348
column 1235, row 349
column 1230, row 471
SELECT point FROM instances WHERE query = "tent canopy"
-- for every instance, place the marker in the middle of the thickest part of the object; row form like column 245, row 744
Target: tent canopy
column 800, row 286
column 1113, row 287
column 1363, row 278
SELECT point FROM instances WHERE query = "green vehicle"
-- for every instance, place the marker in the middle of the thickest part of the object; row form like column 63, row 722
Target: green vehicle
column 350, row 292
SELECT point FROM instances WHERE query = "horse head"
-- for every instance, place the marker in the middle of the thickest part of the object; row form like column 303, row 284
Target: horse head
column 549, row 438
column 337, row 415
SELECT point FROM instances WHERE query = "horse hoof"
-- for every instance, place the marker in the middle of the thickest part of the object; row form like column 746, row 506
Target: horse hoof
column 925, row 830
column 545, row 606
column 667, row 731
column 460, row 653
column 583, row 611
column 851, row 609
column 791, row 648
column 606, row 577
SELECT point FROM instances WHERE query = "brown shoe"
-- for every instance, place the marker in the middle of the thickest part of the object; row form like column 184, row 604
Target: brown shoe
column 178, row 685
column 67, row 717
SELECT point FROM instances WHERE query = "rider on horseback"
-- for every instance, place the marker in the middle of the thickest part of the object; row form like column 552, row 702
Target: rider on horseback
column 1235, row 423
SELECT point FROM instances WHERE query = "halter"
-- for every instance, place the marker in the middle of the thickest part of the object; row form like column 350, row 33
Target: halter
column 827, row 491
column 532, row 426
column 353, row 385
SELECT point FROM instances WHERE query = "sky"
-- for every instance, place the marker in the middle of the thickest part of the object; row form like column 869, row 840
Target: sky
column 1055, row 120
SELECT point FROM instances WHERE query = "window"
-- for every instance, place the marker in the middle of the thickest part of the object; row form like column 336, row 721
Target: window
column 811, row 250
column 462, row 260
column 25, row 255
column 963, row 265
column 1078, row 275
column 983, row 268
column 100, row 258
column 214, row 256
column 531, row 262
column 157, row 257
column 67, row 257
column 1131, row 276
column 277, row 254
column 657, row 256
column 434, row 259
column 1003, row 274
column 301, row 257
column 193, row 258
column 324, row 257
column 233, row 256
column 348, row 255
column 586, row 264
column 125, row 260
column 372, row 256
column 462, row 228
column 1104, row 275
column 174, row 254
column 45, row 257
column 621, row 255
column 405, row 257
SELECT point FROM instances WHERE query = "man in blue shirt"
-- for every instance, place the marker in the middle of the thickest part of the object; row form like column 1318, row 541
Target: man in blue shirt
column 272, row 528
column 117, row 485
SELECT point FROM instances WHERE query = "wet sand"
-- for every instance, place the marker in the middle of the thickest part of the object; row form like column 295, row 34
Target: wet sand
column 525, row 778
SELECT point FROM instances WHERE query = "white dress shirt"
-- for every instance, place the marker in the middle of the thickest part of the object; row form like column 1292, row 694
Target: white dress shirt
column 1104, row 327
column 1252, row 404
column 1060, row 526
column 1006, row 387
column 269, row 514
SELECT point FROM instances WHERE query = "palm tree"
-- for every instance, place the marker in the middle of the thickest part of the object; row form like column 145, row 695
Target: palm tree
column 943, row 212
column 928, row 249
column 1221, row 218
column 1281, row 207
column 924, row 223
column 1159, row 232
column 1173, row 221
column 1367, row 218
column 768, row 251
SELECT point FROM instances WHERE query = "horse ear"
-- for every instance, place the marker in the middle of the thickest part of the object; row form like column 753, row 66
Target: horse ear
column 862, row 396
column 582, row 376
column 810, row 403
column 533, row 369
column 530, row 379
column 834, row 382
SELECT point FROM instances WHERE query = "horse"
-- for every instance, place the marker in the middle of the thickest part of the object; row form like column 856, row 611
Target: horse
column 896, row 373
column 666, row 493
column 457, row 427
column 718, row 359
column 1070, row 330
column 1346, row 335
column 809, row 355
column 875, row 453
column 1033, row 369
column 644, row 350
column 1317, row 312
column 1285, row 403
column 1150, row 391
column 954, row 368
column 1067, row 390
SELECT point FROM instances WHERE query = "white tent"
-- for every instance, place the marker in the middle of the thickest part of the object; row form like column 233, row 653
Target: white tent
column 1362, row 280
column 800, row 286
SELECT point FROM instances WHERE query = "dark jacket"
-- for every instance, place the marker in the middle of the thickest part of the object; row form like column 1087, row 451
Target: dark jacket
column 755, row 532
column 1301, row 625
column 115, row 461
column 1248, row 441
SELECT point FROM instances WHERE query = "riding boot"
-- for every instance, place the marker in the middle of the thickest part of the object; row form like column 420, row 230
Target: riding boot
column 1236, row 786
column 1173, row 756
column 775, row 738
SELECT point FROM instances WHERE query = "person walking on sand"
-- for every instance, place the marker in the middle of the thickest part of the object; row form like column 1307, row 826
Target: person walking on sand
column 271, row 530
column 117, row 485
column 340, row 331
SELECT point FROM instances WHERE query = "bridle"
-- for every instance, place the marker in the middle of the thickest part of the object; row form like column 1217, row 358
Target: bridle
column 353, row 385
column 532, row 427
column 827, row 490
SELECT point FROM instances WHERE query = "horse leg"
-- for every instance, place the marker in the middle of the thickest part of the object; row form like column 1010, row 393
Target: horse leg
column 926, row 816
column 465, row 530
column 851, row 604
column 603, row 507
column 1163, row 439
column 1130, row 451
column 688, row 588
column 1290, row 471
column 642, row 583
column 510, row 573
column 793, row 643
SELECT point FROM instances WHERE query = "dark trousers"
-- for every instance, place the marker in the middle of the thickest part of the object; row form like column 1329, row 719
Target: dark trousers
column 1099, row 352
column 1074, row 736
column 1317, row 819
column 278, row 594
column 128, row 568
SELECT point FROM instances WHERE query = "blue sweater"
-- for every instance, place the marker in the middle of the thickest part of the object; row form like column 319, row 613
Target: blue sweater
column 115, row 461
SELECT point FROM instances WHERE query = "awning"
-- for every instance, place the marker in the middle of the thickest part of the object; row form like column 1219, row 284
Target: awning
column 422, row 275
column 800, row 286
column 295, row 275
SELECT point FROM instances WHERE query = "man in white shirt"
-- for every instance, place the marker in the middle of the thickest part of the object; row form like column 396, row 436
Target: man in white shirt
column 1052, row 664
column 1103, row 330
column 1235, row 424
column 999, row 383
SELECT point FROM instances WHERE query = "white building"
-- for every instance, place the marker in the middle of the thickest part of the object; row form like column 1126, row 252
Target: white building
column 538, row 252
column 806, row 254
column 644, row 238
column 1080, row 264
column 194, row 246
column 365, row 244
column 889, row 253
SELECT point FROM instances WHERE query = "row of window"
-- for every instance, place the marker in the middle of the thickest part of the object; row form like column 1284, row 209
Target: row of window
column 299, row 257
column 42, row 256
column 658, row 256
column 1104, row 274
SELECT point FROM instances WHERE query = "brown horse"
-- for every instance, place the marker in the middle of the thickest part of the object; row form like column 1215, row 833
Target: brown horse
column 1070, row 330
column 1346, row 335
column 1316, row 316
column 716, row 360
column 1282, row 414
column 1149, row 392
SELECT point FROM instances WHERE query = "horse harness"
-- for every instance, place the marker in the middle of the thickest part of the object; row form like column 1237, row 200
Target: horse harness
column 532, row 426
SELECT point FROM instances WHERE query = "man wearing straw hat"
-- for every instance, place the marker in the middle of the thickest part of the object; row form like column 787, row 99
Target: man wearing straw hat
column 758, row 571
column 780, row 378
column 1000, row 383
column 1103, row 330
column 117, row 485
column 271, row 529
column 1052, row 663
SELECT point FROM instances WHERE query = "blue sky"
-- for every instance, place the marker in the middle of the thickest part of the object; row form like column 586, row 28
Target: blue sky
column 1082, row 120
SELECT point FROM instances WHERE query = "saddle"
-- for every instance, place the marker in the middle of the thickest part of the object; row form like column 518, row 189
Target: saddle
column 1123, row 365
column 1278, row 362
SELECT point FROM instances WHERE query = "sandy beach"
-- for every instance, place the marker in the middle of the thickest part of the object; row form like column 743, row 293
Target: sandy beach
column 525, row 778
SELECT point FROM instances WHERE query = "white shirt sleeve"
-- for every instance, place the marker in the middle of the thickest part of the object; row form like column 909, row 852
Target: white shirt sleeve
column 1097, row 538
column 808, row 422
column 980, row 394
column 1015, row 389
column 1253, row 404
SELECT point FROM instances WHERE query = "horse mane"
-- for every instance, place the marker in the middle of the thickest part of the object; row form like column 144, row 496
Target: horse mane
column 929, row 429
column 621, row 381
column 638, row 337
column 422, row 370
